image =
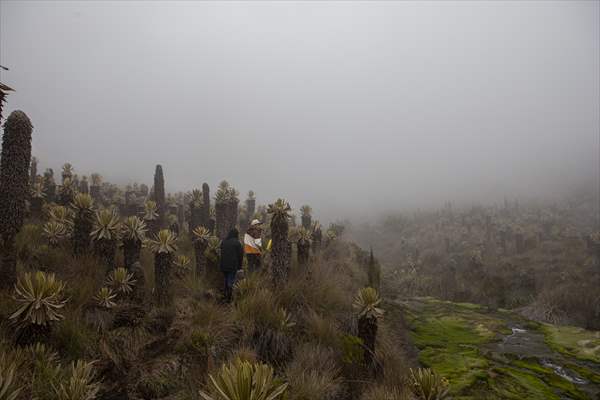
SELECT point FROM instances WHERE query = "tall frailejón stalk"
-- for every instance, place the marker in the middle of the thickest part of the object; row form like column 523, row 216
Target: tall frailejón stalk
column 14, row 189
column 159, row 196
column 163, row 246
column 280, row 251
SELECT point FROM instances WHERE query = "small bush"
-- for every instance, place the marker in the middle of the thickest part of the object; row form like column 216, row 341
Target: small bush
column 427, row 385
column 74, row 339
column 242, row 380
column 322, row 330
column 80, row 384
column 41, row 298
column 28, row 241
column 353, row 348
column 9, row 389
column 313, row 374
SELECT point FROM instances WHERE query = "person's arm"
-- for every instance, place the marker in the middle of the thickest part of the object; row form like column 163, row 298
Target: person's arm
column 241, row 255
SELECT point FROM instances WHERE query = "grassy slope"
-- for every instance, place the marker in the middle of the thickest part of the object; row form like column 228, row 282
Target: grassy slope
column 145, row 351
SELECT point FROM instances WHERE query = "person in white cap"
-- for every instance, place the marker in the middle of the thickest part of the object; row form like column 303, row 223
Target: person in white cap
column 253, row 244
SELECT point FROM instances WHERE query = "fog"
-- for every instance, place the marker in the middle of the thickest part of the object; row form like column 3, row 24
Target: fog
column 352, row 107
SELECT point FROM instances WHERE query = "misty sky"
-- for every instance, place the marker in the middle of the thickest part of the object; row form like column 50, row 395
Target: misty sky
column 343, row 105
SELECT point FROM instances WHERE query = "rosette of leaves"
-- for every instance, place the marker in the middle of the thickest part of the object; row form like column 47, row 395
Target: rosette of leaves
column 105, row 235
column 121, row 281
column 182, row 265
column 243, row 380
column 55, row 232
column 133, row 233
column 41, row 299
column 151, row 216
column 81, row 384
column 425, row 384
column 106, row 297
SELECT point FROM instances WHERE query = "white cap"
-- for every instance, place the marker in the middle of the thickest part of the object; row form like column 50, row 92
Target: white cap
column 255, row 222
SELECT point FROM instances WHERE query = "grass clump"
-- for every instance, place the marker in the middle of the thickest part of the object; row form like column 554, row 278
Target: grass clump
column 573, row 341
column 313, row 373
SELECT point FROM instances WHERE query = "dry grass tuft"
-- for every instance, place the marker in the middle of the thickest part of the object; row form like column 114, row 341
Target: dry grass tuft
column 313, row 373
column 382, row 392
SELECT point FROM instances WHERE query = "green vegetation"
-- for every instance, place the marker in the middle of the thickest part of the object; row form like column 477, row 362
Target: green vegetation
column 573, row 341
column 309, row 325
column 243, row 380
column 463, row 343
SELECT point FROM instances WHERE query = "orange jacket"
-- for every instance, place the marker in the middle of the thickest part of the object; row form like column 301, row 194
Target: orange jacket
column 251, row 245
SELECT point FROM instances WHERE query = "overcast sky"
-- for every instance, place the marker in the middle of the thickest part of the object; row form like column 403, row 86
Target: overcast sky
column 343, row 105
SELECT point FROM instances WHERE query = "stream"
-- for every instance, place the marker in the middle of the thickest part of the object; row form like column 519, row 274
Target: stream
column 523, row 343
column 496, row 354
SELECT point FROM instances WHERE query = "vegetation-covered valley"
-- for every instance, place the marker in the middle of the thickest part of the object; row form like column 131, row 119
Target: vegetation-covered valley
column 423, row 224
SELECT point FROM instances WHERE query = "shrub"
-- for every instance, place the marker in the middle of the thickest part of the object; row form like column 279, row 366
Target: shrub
column 182, row 266
column 427, row 385
column 322, row 330
column 242, row 380
column 80, row 385
column 41, row 296
column 54, row 232
column 390, row 358
column 313, row 374
column 366, row 303
column 121, row 281
column 44, row 372
column 8, row 379
column 258, row 309
column 244, row 353
column 353, row 348
column 328, row 291
column 105, row 298
column 74, row 339
column 27, row 241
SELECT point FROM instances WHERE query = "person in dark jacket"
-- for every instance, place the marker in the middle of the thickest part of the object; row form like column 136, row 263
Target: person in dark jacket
column 232, row 256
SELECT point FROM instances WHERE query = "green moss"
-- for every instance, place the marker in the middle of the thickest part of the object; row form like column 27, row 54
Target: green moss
column 461, row 368
column 573, row 341
column 585, row 373
column 547, row 375
column 512, row 383
column 458, row 342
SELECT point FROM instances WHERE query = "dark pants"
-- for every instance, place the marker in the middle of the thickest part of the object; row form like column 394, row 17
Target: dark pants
column 253, row 262
column 229, row 282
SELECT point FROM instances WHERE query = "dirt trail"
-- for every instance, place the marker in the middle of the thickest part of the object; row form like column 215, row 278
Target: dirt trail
column 394, row 318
